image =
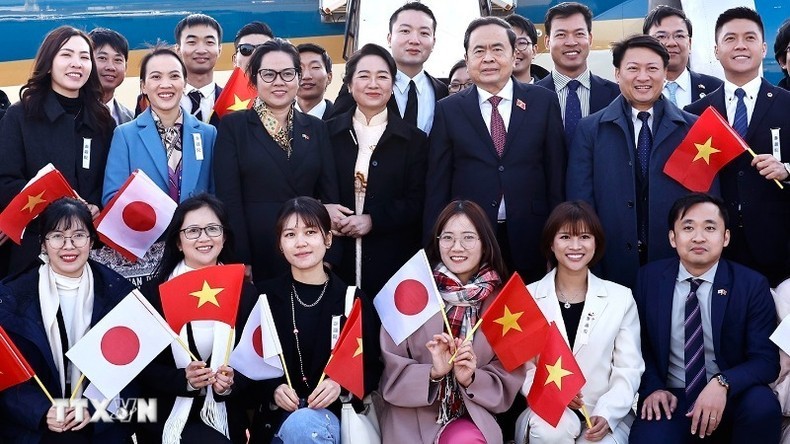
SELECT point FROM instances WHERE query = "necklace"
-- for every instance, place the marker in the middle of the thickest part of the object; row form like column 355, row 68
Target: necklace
column 295, row 295
column 565, row 301
column 302, row 303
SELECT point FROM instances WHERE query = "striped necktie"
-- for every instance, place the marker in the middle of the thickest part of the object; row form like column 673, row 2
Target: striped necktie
column 694, row 347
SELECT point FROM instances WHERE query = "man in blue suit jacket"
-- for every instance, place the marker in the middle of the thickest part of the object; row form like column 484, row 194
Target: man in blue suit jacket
column 604, row 168
column 729, row 400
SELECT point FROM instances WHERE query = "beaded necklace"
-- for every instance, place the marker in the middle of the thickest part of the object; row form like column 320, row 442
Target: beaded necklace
column 295, row 295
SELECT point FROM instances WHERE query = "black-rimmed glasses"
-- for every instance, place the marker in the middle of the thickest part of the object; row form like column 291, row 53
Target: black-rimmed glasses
column 269, row 75
column 455, row 87
column 192, row 233
column 522, row 44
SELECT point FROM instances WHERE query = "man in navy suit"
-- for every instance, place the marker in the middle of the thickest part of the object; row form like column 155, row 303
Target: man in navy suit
column 761, row 113
column 705, row 325
column 673, row 29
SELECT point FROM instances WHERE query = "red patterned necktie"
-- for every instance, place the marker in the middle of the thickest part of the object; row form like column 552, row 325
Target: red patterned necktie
column 498, row 131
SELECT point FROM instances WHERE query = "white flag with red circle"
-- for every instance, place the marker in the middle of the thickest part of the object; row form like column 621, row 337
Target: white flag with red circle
column 135, row 217
column 408, row 299
column 256, row 354
column 121, row 344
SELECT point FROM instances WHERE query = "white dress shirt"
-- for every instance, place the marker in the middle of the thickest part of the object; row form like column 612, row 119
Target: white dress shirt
column 561, row 86
column 316, row 111
column 638, row 123
column 752, row 88
column 426, row 98
column 683, row 93
column 206, row 102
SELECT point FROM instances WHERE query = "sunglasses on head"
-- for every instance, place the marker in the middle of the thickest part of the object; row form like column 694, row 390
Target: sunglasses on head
column 246, row 49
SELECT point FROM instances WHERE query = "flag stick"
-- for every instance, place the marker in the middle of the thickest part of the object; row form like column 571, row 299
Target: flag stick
column 779, row 184
column 230, row 344
column 323, row 373
column 191, row 355
column 468, row 338
column 77, row 387
column 285, row 370
column 586, row 417
column 44, row 389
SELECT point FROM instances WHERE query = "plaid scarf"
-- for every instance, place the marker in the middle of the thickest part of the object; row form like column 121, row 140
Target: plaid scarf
column 281, row 135
column 463, row 301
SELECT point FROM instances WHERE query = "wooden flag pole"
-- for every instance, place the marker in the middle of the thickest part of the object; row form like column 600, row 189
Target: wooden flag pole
column 285, row 370
column 779, row 184
column 44, row 389
column 230, row 344
column 468, row 338
column 586, row 417
column 77, row 387
column 191, row 355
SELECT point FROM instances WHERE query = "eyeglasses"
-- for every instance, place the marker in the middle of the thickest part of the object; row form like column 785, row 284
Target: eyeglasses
column 468, row 241
column 269, row 75
column 522, row 44
column 455, row 87
column 58, row 240
column 664, row 37
column 192, row 233
column 246, row 49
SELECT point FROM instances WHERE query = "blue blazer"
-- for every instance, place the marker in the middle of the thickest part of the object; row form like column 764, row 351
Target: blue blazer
column 742, row 317
column 137, row 144
column 602, row 91
column 702, row 85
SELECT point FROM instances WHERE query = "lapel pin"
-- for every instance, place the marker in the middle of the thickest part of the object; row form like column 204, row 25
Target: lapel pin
column 722, row 292
column 701, row 95
column 521, row 104
column 701, row 86
column 770, row 94
column 305, row 137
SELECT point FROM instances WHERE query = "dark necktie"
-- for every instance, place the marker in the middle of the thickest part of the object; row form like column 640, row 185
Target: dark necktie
column 195, row 96
column 498, row 132
column 644, row 143
column 694, row 350
column 741, row 121
column 573, row 109
column 410, row 114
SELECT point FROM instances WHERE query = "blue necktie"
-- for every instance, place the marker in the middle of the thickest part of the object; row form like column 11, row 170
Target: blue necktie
column 672, row 87
column 644, row 143
column 741, row 121
column 573, row 110
column 694, row 350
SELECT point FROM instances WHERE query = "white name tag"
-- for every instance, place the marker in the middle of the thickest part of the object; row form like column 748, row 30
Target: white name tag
column 335, row 330
column 198, row 141
column 776, row 143
column 86, row 153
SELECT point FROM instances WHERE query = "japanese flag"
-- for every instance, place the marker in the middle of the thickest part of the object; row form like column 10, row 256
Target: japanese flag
column 135, row 217
column 256, row 355
column 408, row 299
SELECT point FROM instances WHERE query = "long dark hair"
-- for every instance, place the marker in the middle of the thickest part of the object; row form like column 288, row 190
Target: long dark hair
column 172, row 255
column 35, row 91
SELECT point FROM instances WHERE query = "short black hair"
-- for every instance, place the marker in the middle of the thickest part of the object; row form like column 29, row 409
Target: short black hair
column 781, row 43
column 484, row 21
column 412, row 6
column 683, row 204
column 659, row 13
column 160, row 49
column 370, row 49
column 739, row 12
column 638, row 41
column 255, row 27
column 317, row 49
column 461, row 64
column 273, row 45
column 105, row 36
column 517, row 21
column 62, row 213
column 567, row 9
column 197, row 20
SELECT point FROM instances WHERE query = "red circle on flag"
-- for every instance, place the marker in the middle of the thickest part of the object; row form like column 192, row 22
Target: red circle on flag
column 411, row 297
column 139, row 216
column 257, row 341
column 120, row 345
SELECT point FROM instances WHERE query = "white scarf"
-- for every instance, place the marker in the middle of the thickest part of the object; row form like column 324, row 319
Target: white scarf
column 81, row 321
column 213, row 413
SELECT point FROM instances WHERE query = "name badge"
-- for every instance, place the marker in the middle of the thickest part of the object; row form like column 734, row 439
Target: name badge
column 776, row 143
column 198, row 141
column 335, row 330
column 86, row 153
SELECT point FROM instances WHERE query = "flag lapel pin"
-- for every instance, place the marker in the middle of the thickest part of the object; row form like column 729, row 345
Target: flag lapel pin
column 520, row 103
column 305, row 136
column 722, row 292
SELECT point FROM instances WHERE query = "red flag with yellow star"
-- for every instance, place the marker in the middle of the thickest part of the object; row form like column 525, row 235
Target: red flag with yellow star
column 514, row 325
column 46, row 187
column 345, row 365
column 710, row 144
column 558, row 379
column 206, row 294
column 14, row 369
column 237, row 94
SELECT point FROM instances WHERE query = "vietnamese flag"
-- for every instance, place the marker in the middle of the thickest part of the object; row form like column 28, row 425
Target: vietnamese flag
column 345, row 364
column 47, row 186
column 558, row 379
column 514, row 325
column 14, row 369
column 237, row 94
column 710, row 144
column 207, row 294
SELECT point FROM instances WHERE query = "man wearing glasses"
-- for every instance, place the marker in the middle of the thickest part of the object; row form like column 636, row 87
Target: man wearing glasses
column 526, row 49
column 249, row 37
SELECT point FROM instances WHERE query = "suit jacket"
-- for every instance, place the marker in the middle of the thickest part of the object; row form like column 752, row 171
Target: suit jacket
column 756, row 203
column 603, row 170
column 742, row 317
column 412, row 401
column 463, row 164
column 613, row 334
column 24, row 406
column 702, row 85
column 602, row 91
column 253, row 177
column 327, row 110
column 137, row 145
column 394, row 198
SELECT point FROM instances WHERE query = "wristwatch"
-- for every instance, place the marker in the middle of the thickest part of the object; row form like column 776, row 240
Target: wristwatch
column 722, row 380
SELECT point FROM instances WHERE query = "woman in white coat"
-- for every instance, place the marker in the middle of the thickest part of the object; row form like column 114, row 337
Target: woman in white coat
column 599, row 321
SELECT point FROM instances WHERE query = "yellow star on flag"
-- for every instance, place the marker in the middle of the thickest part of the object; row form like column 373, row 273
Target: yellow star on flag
column 509, row 321
column 239, row 104
column 556, row 373
column 704, row 150
column 32, row 201
column 358, row 351
column 207, row 294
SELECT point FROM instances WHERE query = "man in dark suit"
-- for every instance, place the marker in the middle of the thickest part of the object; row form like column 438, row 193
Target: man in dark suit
column 617, row 159
column 706, row 324
column 411, row 38
column 111, row 51
column 498, row 144
column 760, row 112
column 199, row 43
column 316, row 76
column 581, row 93
column 673, row 29
column 526, row 48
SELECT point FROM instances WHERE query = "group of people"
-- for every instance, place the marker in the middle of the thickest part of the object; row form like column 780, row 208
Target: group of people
column 556, row 175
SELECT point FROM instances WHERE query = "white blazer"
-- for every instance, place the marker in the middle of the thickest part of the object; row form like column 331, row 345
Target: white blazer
column 607, row 345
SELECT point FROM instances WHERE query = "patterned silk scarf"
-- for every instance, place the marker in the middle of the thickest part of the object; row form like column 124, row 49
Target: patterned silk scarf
column 171, row 139
column 281, row 135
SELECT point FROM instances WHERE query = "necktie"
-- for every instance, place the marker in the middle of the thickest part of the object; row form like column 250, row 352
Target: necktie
column 410, row 113
column 498, row 132
column 573, row 109
column 195, row 96
column 741, row 122
column 672, row 87
column 644, row 143
column 694, row 350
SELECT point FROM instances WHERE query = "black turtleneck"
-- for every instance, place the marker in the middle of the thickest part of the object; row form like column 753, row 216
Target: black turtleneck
column 71, row 106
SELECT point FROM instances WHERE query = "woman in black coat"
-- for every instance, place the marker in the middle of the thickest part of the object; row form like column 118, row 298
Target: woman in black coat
column 381, row 164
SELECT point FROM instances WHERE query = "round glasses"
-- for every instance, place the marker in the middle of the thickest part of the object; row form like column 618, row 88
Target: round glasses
column 523, row 44
column 58, row 240
column 468, row 241
column 192, row 233
column 455, row 87
column 246, row 49
column 269, row 75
